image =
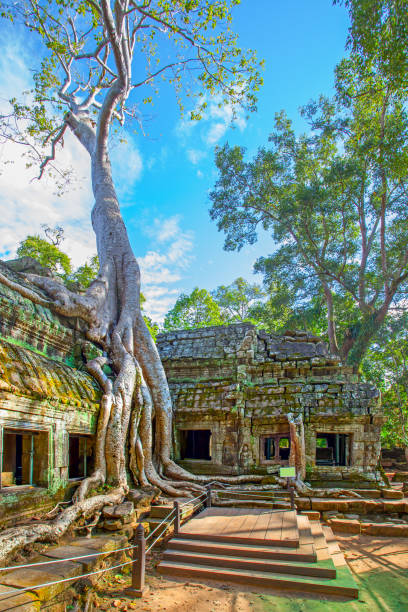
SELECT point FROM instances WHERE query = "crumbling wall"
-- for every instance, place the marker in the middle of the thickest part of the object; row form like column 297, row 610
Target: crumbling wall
column 45, row 394
column 241, row 383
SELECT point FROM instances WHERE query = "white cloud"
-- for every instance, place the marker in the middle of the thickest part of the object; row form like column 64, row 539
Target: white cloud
column 26, row 204
column 164, row 266
column 127, row 165
column 195, row 155
column 216, row 119
column 215, row 133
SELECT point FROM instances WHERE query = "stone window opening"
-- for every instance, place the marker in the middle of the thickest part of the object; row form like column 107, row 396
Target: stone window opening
column 79, row 457
column 284, row 449
column 195, row 444
column 269, row 448
column 275, row 448
column 333, row 449
column 24, row 458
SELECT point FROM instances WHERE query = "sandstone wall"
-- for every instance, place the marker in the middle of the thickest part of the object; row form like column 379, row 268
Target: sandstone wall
column 241, row 383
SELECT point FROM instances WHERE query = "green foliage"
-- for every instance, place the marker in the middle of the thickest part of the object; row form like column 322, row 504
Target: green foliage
column 47, row 254
column 333, row 200
column 188, row 45
column 386, row 365
column 235, row 300
column 84, row 275
column 199, row 309
column 151, row 325
column 379, row 36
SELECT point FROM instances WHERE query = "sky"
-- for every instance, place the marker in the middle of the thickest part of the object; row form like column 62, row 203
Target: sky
column 164, row 176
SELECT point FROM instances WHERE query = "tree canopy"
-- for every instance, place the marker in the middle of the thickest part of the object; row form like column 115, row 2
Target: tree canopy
column 46, row 253
column 333, row 200
column 88, row 68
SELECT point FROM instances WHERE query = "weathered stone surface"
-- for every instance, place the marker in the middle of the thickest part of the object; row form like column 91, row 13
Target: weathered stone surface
column 112, row 524
column 345, row 525
column 240, row 383
column 142, row 498
column 392, row 494
column 120, row 511
column 34, row 577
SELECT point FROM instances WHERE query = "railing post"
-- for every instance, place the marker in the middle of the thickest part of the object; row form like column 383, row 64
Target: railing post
column 177, row 518
column 208, row 499
column 138, row 587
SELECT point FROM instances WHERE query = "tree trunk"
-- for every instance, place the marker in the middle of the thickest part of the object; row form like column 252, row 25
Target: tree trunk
column 359, row 338
column 297, row 456
column 138, row 388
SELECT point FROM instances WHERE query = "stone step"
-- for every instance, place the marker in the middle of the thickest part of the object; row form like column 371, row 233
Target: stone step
column 167, row 526
column 267, row 495
column 161, row 511
column 304, row 553
column 324, row 569
column 341, row 586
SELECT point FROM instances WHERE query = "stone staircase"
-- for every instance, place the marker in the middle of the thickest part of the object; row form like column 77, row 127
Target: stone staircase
column 309, row 562
column 159, row 511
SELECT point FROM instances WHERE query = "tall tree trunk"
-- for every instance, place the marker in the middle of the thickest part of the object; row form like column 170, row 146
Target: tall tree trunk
column 359, row 338
column 331, row 322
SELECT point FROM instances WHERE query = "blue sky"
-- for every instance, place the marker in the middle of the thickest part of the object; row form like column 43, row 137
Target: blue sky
column 164, row 178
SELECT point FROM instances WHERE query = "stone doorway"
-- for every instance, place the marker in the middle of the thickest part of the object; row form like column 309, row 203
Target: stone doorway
column 195, row 444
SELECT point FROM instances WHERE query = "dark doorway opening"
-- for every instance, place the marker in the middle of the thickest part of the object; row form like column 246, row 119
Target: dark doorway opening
column 332, row 449
column 195, row 444
column 284, row 449
column 79, row 456
column 18, row 458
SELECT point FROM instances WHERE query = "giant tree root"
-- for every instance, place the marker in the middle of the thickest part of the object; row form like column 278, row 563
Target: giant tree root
column 18, row 537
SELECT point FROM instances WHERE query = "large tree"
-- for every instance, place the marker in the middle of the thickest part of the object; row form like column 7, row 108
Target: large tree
column 199, row 309
column 334, row 201
column 100, row 60
column 386, row 365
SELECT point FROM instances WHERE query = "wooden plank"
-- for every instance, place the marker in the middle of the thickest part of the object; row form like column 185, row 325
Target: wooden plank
column 205, row 522
column 304, row 529
column 234, row 524
column 289, row 527
column 261, row 527
column 274, row 531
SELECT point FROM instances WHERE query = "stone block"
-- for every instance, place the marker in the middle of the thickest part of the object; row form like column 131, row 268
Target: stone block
column 345, row 525
column 385, row 530
column 391, row 506
column 303, row 503
column 324, row 505
column 43, row 574
column 312, row 515
column 392, row 494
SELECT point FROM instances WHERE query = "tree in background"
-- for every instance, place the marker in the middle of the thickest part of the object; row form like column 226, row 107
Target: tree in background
column 199, row 309
column 386, row 364
column 379, row 35
column 334, row 201
column 99, row 62
column 236, row 300
column 47, row 253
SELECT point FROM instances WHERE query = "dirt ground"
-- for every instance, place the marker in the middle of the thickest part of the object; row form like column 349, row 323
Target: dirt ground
column 379, row 566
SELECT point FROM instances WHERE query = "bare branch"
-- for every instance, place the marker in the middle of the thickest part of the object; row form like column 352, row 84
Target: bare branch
column 57, row 138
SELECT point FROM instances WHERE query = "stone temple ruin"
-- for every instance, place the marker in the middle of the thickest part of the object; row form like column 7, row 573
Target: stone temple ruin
column 232, row 388
column 48, row 405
